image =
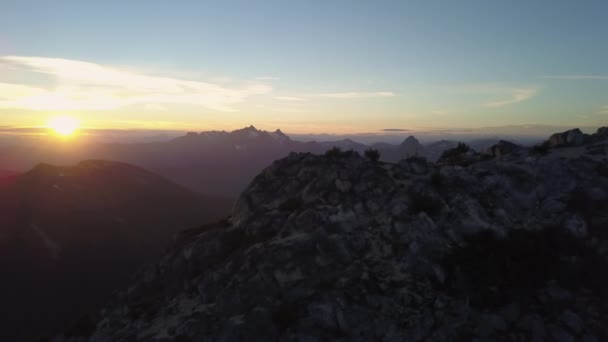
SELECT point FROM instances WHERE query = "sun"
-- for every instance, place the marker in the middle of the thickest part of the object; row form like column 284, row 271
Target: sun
column 64, row 125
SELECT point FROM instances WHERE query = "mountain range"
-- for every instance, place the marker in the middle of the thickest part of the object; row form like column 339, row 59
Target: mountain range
column 217, row 163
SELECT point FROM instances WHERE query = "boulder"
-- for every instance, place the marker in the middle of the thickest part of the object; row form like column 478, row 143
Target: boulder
column 573, row 137
column 502, row 148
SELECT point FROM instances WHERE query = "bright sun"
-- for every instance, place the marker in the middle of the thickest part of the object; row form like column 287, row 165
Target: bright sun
column 64, row 125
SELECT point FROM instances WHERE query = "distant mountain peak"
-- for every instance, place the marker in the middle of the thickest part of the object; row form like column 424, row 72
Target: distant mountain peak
column 250, row 128
column 279, row 135
column 250, row 131
column 411, row 146
column 411, row 140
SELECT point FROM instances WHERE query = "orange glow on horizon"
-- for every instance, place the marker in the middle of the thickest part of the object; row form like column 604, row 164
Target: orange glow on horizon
column 64, row 126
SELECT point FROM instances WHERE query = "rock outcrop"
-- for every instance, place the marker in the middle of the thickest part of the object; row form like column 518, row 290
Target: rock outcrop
column 340, row 248
column 573, row 137
column 502, row 148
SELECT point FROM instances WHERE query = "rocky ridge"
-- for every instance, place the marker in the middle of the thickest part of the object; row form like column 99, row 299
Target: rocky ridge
column 511, row 245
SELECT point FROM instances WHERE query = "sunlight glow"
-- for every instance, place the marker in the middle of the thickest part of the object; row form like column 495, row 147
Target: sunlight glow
column 64, row 125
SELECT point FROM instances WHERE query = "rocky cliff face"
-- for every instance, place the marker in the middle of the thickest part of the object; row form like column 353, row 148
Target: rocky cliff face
column 341, row 248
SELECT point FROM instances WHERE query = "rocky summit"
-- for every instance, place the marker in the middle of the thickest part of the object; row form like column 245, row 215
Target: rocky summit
column 341, row 248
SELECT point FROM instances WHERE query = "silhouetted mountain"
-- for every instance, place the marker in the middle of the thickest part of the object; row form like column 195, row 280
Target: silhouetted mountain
column 410, row 147
column 339, row 247
column 70, row 236
column 220, row 163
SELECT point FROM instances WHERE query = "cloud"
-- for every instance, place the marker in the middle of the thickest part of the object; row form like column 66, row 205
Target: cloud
column 155, row 107
column 516, row 95
column 23, row 130
column 288, row 98
column 394, row 130
column 356, row 95
column 603, row 110
column 492, row 95
column 78, row 85
column 267, row 78
column 578, row 77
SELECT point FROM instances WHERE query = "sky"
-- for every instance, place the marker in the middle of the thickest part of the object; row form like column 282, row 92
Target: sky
column 304, row 66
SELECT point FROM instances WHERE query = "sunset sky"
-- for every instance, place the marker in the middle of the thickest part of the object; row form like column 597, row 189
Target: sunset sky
column 304, row 66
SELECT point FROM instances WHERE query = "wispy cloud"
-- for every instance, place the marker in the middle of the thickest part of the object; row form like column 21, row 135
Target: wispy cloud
column 79, row 85
column 603, row 110
column 515, row 96
column 394, row 130
column 288, row 98
column 578, row 77
column 267, row 78
column 356, row 95
column 155, row 107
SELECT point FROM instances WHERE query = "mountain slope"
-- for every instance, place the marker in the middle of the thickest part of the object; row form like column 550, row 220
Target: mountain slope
column 337, row 247
column 7, row 177
column 69, row 236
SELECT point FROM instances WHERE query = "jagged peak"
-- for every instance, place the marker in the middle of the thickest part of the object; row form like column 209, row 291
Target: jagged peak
column 410, row 140
column 247, row 129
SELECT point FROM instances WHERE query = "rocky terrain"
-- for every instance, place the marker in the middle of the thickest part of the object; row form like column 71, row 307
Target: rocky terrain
column 507, row 244
column 72, row 235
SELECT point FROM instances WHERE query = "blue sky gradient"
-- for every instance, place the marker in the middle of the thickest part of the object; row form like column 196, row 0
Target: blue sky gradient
column 328, row 65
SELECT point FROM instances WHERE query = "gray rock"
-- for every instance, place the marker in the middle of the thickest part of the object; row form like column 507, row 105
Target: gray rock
column 576, row 226
column 343, row 185
column 560, row 335
column 534, row 325
column 502, row 148
column 399, row 208
column 590, row 338
column 490, row 324
column 323, row 315
column 572, row 321
column 573, row 137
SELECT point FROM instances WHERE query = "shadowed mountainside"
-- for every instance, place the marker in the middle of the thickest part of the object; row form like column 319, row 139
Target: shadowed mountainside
column 70, row 236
